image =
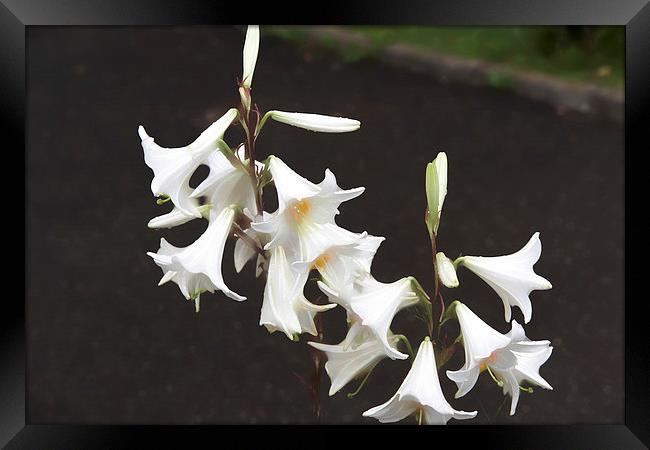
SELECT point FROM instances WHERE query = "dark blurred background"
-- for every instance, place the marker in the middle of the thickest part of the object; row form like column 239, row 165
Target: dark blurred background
column 106, row 345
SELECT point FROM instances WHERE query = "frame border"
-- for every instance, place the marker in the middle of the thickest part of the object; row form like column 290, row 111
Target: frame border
column 16, row 15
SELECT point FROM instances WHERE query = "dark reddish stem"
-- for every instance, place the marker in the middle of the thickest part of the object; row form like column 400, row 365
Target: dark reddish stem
column 250, row 154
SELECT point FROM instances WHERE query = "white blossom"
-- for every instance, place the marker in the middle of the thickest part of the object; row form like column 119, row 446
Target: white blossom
column 285, row 308
column 510, row 358
column 197, row 268
column 376, row 304
column 349, row 360
column 511, row 276
column 173, row 167
column 304, row 222
column 226, row 184
column 420, row 393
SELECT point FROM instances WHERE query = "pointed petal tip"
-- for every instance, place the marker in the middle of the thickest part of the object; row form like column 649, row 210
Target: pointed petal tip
column 143, row 133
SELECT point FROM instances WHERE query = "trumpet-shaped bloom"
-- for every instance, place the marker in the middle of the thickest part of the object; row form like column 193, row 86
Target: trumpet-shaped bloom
column 376, row 303
column 304, row 222
column 226, row 185
column 512, row 276
column 480, row 341
column 446, row 270
column 529, row 356
column 342, row 266
column 284, row 307
column 173, row 167
column 251, row 48
column 510, row 358
column 420, row 392
column 316, row 122
column 197, row 268
column 349, row 360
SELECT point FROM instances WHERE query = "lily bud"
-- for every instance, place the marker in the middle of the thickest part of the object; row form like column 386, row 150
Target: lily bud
column 316, row 122
column 245, row 96
column 446, row 270
column 251, row 47
column 436, row 188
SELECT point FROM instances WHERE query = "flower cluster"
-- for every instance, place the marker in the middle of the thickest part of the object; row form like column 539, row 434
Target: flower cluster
column 302, row 237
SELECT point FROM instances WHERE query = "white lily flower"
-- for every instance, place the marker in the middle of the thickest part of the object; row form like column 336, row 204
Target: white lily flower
column 376, row 305
column 511, row 276
column 316, row 122
column 304, row 222
column 446, row 270
column 173, row 167
column 339, row 264
column 419, row 392
column 529, row 356
column 251, row 48
column 510, row 359
column 436, row 190
column 197, row 268
column 346, row 362
column 226, row 185
column 480, row 341
column 342, row 266
column 284, row 307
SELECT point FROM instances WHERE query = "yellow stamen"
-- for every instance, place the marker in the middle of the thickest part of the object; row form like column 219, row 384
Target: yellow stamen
column 300, row 210
column 489, row 360
column 321, row 262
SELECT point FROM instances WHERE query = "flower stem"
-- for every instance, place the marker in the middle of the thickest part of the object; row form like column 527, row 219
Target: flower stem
column 250, row 155
column 436, row 280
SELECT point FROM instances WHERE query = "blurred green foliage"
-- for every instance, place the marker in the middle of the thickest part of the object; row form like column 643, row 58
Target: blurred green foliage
column 594, row 54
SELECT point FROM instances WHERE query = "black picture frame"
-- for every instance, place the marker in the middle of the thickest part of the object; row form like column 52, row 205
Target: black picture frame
column 17, row 15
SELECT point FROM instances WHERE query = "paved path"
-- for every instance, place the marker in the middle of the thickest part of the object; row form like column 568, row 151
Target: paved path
column 105, row 344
